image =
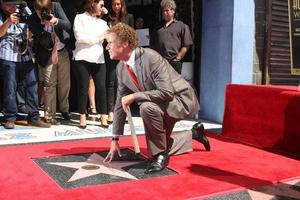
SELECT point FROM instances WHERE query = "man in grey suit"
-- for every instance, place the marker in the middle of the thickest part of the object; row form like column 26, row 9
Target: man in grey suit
column 163, row 97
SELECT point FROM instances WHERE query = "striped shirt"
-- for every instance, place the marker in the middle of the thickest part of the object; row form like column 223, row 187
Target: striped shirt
column 9, row 51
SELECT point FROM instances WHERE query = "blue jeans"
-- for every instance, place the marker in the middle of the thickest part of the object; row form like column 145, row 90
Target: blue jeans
column 14, row 72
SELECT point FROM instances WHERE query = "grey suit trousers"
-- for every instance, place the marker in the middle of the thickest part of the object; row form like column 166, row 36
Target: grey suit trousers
column 158, row 128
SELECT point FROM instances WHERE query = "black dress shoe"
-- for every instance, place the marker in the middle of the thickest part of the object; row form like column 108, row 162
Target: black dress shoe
column 158, row 164
column 198, row 134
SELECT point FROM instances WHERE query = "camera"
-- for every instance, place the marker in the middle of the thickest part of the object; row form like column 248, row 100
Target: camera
column 22, row 12
column 45, row 14
column 22, row 43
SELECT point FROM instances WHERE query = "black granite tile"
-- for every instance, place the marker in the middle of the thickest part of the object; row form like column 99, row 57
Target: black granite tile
column 62, row 174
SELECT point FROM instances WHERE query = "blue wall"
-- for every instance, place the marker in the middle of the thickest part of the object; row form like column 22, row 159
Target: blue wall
column 226, row 52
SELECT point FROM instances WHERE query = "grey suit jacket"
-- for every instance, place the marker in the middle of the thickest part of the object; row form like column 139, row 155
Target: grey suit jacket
column 160, row 83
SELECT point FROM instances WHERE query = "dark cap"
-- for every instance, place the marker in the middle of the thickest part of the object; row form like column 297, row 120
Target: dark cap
column 16, row 2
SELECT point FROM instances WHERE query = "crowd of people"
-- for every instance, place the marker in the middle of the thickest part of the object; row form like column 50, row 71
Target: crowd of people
column 98, row 46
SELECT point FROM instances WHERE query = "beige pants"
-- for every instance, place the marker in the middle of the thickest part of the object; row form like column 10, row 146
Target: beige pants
column 56, row 85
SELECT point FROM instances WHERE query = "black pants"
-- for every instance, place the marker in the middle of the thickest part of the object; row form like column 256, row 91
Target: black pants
column 82, row 70
column 177, row 65
column 111, row 83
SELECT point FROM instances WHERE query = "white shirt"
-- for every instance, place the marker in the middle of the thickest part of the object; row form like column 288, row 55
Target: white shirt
column 131, row 62
column 89, row 33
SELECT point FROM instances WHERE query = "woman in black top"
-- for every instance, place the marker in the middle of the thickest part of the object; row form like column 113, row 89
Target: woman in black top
column 117, row 12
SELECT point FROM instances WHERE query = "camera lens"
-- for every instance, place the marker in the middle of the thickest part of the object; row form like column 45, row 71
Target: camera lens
column 45, row 14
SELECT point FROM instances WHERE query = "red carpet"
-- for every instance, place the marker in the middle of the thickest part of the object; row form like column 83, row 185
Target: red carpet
column 267, row 117
column 229, row 166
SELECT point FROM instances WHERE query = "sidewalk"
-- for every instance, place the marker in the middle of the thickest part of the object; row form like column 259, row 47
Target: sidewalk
column 24, row 134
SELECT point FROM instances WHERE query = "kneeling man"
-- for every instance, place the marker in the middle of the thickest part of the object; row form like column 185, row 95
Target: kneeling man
column 163, row 96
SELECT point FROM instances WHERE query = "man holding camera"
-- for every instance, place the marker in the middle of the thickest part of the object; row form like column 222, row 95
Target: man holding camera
column 16, row 63
column 49, row 26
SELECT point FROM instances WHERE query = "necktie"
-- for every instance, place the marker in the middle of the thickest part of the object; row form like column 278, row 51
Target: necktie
column 133, row 77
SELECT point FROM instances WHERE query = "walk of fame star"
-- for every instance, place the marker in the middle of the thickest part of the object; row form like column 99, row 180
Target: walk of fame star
column 94, row 165
column 77, row 170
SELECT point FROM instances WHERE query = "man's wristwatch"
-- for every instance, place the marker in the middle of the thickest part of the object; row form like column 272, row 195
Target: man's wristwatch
column 115, row 138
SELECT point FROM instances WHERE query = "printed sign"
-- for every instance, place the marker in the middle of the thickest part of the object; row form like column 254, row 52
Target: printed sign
column 294, row 22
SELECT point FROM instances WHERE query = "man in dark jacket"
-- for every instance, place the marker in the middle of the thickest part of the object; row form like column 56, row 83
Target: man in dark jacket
column 49, row 25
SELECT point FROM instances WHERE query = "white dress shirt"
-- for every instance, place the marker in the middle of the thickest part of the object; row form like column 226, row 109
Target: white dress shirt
column 131, row 62
column 89, row 33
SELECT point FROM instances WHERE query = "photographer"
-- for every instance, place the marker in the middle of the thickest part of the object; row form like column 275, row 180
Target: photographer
column 16, row 63
column 49, row 26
